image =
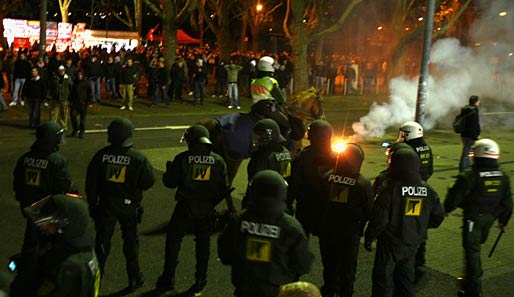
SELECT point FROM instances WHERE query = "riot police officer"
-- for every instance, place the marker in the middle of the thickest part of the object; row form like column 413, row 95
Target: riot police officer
column 40, row 172
column 265, row 246
column 412, row 134
column 386, row 173
column 200, row 176
column 116, row 178
column 483, row 192
column 66, row 264
column 267, row 96
column 270, row 152
column 348, row 198
column 403, row 210
column 306, row 182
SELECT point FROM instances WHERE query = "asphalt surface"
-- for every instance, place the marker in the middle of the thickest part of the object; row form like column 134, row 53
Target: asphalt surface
column 444, row 252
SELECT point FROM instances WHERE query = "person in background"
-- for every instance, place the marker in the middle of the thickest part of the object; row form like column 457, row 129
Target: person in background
column 471, row 130
column 21, row 73
column 34, row 90
column 81, row 96
column 232, row 71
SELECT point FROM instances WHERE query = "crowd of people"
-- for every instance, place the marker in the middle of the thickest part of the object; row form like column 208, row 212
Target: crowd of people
column 319, row 192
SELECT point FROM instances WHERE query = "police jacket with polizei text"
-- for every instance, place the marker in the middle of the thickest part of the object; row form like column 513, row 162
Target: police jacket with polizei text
column 274, row 157
column 39, row 173
column 424, row 152
column 117, row 176
column 265, row 252
column 200, row 177
column 481, row 191
column 348, row 199
column 403, row 211
column 307, row 184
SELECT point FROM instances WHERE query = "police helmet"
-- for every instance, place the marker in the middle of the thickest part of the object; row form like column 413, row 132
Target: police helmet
column 265, row 64
column 197, row 134
column 405, row 160
column 392, row 148
column 49, row 135
column 410, row 130
column 120, row 132
column 353, row 156
column 486, row 148
column 267, row 185
column 319, row 131
column 266, row 131
column 62, row 214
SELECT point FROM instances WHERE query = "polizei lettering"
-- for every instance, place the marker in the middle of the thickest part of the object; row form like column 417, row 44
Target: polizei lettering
column 338, row 179
column 422, row 148
column 414, row 191
column 35, row 163
column 260, row 229
column 201, row 159
column 491, row 173
column 283, row 157
column 115, row 159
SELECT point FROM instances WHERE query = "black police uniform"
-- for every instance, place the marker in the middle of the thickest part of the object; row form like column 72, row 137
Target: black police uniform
column 116, row 178
column 200, row 177
column 270, row 153
column 265, row 246
column 483, row 192
column 306, row 181
column 348, row 198
column 403, row 210
column 424, row 152
column 40, row 172
column 66, row 265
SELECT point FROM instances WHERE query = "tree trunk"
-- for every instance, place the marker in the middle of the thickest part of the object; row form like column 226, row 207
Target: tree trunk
column 169, row 34
column 138, row 17
column 64, row 14
column 225, row 40
column 244, row 28
column 255, row 37
column 299, row 45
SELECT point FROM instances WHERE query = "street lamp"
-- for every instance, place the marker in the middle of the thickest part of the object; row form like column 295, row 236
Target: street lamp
column 258, row 7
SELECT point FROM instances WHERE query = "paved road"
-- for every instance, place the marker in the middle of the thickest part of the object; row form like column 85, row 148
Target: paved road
column 444, row 251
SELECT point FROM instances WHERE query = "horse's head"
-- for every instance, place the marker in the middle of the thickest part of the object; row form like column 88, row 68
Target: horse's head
column 308, row 104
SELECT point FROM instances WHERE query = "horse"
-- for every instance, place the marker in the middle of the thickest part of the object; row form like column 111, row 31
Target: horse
column 231, row 134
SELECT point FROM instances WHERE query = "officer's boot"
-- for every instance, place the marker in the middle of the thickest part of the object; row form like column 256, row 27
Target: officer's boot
column 136, row 282
column 196, row 288
column 165, row 282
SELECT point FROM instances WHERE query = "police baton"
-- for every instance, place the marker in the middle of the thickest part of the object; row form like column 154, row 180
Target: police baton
column 496, row 243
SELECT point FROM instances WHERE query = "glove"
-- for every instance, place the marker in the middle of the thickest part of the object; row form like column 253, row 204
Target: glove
column 367, row 246
column 168, row 165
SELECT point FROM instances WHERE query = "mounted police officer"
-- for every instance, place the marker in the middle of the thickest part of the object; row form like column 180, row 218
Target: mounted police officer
column 116, row 178
column 306, row 182
column 66, row 264
column 403, row 210
column 40, row 172
column 270, row 152
column 348, row 198
column 267, row 96
column 483, row 192
column 200, row 177
column 266, row 247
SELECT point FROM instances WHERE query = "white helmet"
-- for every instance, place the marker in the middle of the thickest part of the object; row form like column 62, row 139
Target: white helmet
column 266, row 64
column 486, row 148
column 410, row 130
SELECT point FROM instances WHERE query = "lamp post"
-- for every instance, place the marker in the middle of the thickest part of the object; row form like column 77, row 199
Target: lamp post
column 42, row 27
column 425, row 64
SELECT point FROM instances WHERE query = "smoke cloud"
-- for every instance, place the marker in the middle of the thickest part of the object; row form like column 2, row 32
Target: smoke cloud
column 486, row 70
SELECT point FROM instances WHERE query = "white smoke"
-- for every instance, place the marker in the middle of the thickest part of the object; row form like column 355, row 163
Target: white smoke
column 457, row 72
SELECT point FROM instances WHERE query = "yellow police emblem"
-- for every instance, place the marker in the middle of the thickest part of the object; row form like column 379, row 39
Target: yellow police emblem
column 258, row 249
column 413, row 206
column 201, row 172
column 116, row 173
column 32, row 177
